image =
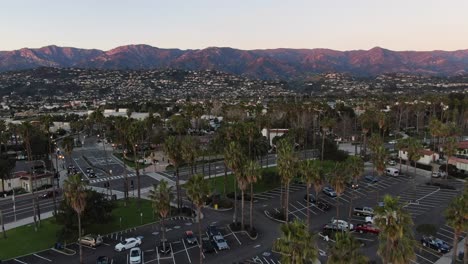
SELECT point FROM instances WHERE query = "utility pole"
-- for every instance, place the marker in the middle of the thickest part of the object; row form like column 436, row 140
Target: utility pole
column 3, row 226
column 107, row 161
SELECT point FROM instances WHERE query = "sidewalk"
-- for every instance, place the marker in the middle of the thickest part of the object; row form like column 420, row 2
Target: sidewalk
column 447, row 258
column 27, row 221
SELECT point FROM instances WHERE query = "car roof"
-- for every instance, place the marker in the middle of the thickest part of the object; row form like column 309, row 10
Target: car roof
column 189, row 232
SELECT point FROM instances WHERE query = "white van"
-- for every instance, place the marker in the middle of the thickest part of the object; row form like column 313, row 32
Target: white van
column 392, row 172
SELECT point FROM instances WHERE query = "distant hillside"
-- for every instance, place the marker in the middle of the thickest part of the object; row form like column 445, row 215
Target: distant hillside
column 262, row 64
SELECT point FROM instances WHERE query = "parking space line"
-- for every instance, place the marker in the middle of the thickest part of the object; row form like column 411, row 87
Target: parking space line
column 311, row 205
column 42, row 257
column 440, row 234
column 186, row 251
column 419, row 256
column 22, row 262
column 267, row 260
column 172, row 253
column 339, row 197
column 430, row 251
column 298, row 210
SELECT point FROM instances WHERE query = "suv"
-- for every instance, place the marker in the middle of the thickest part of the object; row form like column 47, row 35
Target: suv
column 213, row 231
column 91, row 240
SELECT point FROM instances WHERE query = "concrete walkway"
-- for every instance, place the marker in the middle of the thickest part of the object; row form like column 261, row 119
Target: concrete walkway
column 447, row 258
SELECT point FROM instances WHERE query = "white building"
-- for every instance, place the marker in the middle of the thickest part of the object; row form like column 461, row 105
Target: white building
column 428, row 156
column 272, row 133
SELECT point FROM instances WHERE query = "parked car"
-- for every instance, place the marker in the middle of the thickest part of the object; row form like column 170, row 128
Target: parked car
column 392, row 142
column 342, row 224
column 48, row 194
column 103, row 260
column 366, row 211
column 92, row 175
column 352, row 184
column 190, row 237
column 391, row 162
column 91, row 240
column 369, row 220
column 435, row 243
column 367, row 228
column 323, row 205
column 207, row 246
column 213, row 231
column 332, row 227
column 128, row 243
column 371, row 179
column 329, row 191
column 220, row 242
column 311, row 198
column 135, row 256
column 392, row 172
column 88, row 170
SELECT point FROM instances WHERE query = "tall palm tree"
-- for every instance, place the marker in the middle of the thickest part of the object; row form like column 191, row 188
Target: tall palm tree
column 197, row 190
column 345, row 250
column 253, row 174
column 310, row 170
column 338, row 180
column 46, row 121
column 327, row 125
column 450, row 149
column 190, row 150
column 457, row 218
column 367, row 120
column 173, row 151
column 296, row 244
column 379, row 158
column 396, row 237
column 75, row 195
column 287, row 168
column 121, row 126
column 242, row 183
column 435, row 127
column 401, row 145
column 4, row 135
column 414, row 152
column 135, row 131
column 355, row 166
column 161, row 197
column 68, row 143
column 234, row 159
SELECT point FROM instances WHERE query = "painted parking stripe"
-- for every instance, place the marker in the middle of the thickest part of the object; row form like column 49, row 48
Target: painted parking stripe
column 339, row 197
column 186, row 251
column 297, row 210
column 429, row 251
column 22, row 262
column 419, row 256
column 440, row 234
column 304, row 205
column 42, row 257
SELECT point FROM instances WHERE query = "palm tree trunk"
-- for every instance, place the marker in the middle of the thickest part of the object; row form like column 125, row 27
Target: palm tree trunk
column 337, row 208
column 179, row 204
column 251, row 205
column 79, row 236
column 34, row 214
column 234, row 218
column 242, row 210
column 225, row 180
column 323, row 144
column 163, row 234
column 200, row 244
column 351, row 205
column 387, row 251
column 308, row 207
column 286, row 207
column 455, row 246
column 138, row 176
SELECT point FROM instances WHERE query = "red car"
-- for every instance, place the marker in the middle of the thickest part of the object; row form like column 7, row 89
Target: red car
column 367, row 228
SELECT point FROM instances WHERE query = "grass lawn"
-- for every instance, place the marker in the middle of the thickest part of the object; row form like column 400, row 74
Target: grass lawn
column 23, row 240
column 130, row 163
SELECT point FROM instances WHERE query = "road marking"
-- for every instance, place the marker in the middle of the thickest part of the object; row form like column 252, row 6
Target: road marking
column 297, row 210
column 419, row 256
column 256, row 246
column 186, row 251
column 172, row 252
column 20, row 261
column 310, row 206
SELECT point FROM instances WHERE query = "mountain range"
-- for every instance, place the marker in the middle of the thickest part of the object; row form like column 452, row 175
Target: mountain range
column 263, row 64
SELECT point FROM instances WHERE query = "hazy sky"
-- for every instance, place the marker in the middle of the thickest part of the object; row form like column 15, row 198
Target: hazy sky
column 243, row 24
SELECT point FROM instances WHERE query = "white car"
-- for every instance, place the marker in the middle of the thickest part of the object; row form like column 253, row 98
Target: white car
column 369, row 220
column 135, row 256
column 342, row 224
column 128, row 243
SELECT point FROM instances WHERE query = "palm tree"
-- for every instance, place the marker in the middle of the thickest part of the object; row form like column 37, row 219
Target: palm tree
column 135, row 131
column 68, row 143
column 367, row 122
column 234, row 159
column 345, row 250
column 396, row 237
column 401, row 145
column 287, row 167
column 379, row 158
column 75, row 195
column 327, row 125
column 161, row 197
column 318, row 180
column 46, row 121
column 253, row 174
column 435, row 129
column 190, row 150
column 242, row 183
column 355, row 166
column 4, row 135
column 457, row 218
column 197, row 190
column 338, row 180
column 173, row 151
column 310, row 170
column 450, row 149
column 296, row 244
column 414, row 152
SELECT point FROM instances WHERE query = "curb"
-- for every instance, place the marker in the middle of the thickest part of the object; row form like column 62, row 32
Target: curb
column 272, row 218
column 218, row 210
column 241, row 232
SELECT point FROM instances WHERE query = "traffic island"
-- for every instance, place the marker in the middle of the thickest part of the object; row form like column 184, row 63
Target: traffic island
column 275, row 215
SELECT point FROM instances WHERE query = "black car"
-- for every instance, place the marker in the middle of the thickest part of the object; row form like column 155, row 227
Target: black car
column 371, row 179
column 48, row 194
column 103, row 260
column 92, row 175
column 323, row 205
column 435, row 243
column 352, row 184
column 311, row 198
column 207, row 246
column 213, row 231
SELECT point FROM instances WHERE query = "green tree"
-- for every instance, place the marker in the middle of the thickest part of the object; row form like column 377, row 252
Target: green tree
column 345, row 250
column 396, row 235
column 75, row 194
column 296, row 244
column 338, row 180
column 235, row 161
column 173, row 151
column 414, row 152
column 287, row 168
column 161, row 197
column 135, row 133
column 190, row 149
column 253, row 174
column 355, row 166
column 6, row 169
column 310, row 170
column 327, row 125
column 68, row 143
column 457, row 218
column 197, row 190
column 450, row 149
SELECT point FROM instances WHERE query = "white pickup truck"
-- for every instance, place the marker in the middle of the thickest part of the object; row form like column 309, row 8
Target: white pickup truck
column 365, row 211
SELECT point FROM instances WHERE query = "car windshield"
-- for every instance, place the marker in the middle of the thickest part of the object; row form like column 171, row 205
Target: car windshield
column 123, row 242
column 439, row 242
column 135, row 253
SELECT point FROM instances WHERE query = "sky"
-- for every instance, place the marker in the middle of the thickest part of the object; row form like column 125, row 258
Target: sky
column 242, row 24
